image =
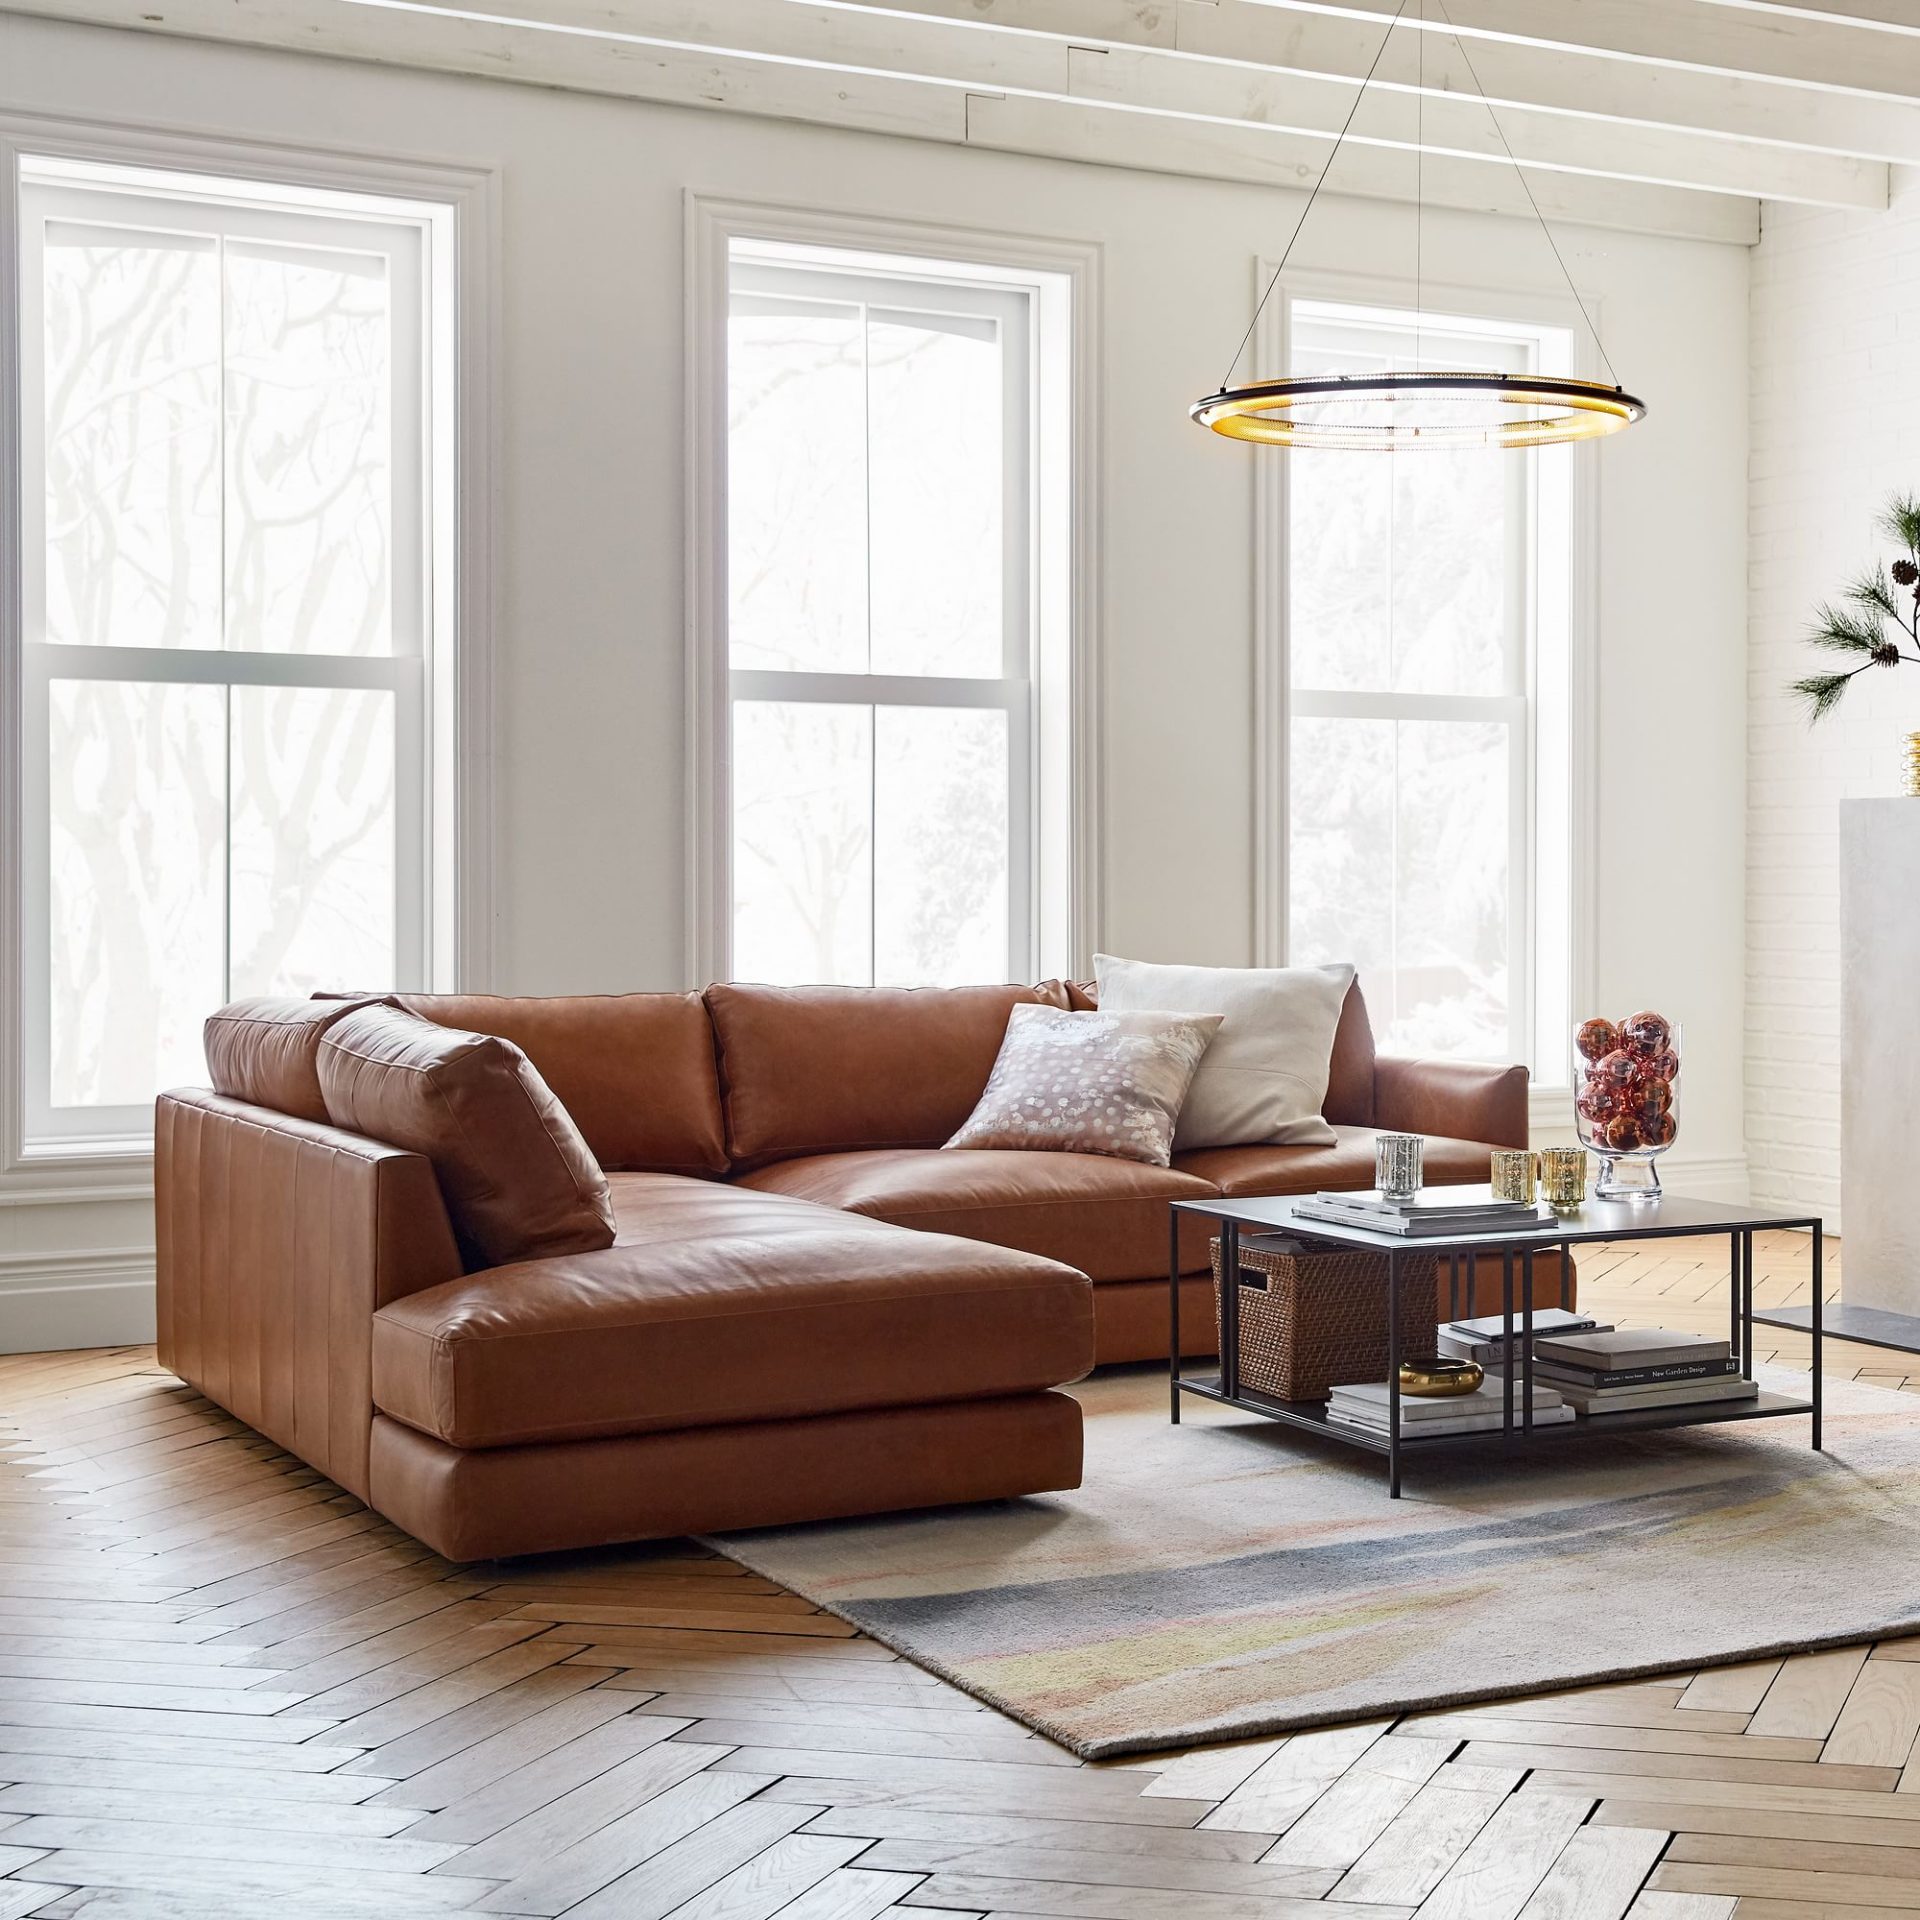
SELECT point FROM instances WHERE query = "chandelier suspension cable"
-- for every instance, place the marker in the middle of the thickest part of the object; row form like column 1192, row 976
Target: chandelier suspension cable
column 1226, row 379
column 1405, row 409
column 1420, row 193
column 1419, row 316
column 1459, row 40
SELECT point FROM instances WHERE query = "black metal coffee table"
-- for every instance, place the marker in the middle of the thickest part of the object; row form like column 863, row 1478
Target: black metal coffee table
column 1667, row 1218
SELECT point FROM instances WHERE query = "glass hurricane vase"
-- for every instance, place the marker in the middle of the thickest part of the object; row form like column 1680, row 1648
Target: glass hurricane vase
column 1626, row 1076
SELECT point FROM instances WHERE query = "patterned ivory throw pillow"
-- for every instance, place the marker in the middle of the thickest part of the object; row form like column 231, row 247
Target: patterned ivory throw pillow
column 1109, row 1083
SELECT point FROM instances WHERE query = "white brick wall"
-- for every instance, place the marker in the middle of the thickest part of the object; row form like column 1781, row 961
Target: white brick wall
column 1835, row 429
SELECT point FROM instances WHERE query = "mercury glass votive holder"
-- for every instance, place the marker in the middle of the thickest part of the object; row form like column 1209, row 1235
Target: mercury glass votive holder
column 1513, row 1174
column 1563, row 1176
column 1397, row 1164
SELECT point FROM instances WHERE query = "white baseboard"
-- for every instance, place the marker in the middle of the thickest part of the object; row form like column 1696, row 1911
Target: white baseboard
column 102, row 1297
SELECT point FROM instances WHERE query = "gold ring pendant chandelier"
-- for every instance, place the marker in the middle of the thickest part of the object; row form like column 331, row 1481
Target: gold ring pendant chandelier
column 1422, row 409
column 1399, row 412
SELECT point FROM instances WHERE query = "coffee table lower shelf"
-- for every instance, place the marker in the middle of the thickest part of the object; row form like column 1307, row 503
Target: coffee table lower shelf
column 1870, row 1326
column 1313, row 1413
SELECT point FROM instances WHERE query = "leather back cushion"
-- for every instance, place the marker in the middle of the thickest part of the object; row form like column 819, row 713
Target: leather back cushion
column 835, row 1069
column 1349, row 1101
column 266, row 1052
column 519, row 1181
column 635, row 1070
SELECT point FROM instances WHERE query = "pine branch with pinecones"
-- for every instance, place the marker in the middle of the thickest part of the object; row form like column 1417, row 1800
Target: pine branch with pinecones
column 1858, row 626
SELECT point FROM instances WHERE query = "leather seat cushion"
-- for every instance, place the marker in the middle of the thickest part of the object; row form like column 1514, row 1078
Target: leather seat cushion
column 834, row 1069
column 1250, row 1172
column 518, row 1180
column 635, row 1070
column 473, row 1503
column 1107, row 1217
column 722, row 1305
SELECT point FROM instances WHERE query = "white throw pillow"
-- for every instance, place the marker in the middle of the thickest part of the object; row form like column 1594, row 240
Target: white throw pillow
column 1264, row 1079
column 1101, row 1082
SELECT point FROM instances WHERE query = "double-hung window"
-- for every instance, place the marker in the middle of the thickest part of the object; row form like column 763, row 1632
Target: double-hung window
column 884, row 635
column 1428, row 636
column 231, row 569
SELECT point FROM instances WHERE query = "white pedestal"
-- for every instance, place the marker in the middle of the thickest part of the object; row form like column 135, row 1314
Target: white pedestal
column 1880, row 1053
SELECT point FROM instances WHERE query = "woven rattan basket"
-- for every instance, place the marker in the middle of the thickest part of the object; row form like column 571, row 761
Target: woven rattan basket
column 1312, row 1321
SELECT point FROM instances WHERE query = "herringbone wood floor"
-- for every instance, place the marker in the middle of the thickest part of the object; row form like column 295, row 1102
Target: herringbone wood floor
column 229, row 1692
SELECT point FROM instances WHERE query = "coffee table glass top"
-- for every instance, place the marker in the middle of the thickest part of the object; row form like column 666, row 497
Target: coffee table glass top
column 1595, row 1220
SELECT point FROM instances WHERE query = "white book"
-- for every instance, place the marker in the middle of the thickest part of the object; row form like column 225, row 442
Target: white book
column 1488, row 1352
column 1548, row 1322
column 1488, row 1422
column 1369, row 1399
column 1427, row 1201
column 1427, row 1226
column 1663, row 1393
column 1627, row 1347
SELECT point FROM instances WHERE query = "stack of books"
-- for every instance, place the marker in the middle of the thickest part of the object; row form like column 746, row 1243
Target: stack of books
column 1483, row 1339
column 1432, row 1212
column 1630, row 1368
column 1365, row 1405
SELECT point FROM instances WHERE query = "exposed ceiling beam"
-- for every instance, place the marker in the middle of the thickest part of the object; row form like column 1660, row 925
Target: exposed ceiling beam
column 1897, row 14
column 578, row 63
column 1570, row 81
column 1020, row 122
column 1462, row 126
column 1803, row 47
column 579, row 45
column 1155, row 80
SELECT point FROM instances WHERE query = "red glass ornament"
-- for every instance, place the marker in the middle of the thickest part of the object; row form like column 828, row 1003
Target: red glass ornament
column 1623, row 1134
column 1664, row 1065
column 1617, row 1069
column 1596, row 1038
column 1645, row 1034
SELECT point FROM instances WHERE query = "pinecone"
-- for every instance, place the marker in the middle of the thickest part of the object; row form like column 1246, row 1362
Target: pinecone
column 1886, row 654
column 1906, row 574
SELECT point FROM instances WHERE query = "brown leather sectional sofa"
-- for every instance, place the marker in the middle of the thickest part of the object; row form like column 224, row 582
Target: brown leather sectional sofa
column 807, row 1310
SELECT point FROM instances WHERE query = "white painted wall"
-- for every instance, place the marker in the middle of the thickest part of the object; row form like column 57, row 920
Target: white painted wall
column 1836, row 429
column 589, row 885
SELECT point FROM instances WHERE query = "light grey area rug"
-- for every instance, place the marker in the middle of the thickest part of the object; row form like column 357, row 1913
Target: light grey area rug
column 1227, row 1577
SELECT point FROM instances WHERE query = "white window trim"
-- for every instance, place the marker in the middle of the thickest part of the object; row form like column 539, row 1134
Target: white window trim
column 466, row 202
column 712, row 227
column 1014, row 312
column 1551, row 1107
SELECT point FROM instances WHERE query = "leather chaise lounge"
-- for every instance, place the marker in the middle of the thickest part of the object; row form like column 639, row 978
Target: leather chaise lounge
column 806, row 1311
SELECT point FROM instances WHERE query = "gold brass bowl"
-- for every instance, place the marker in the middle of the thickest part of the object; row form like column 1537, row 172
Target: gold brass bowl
column 1440, row 1379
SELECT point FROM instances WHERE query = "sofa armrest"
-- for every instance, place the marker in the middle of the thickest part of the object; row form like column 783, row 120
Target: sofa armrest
column 1460, row 1099
column 277, row 1240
